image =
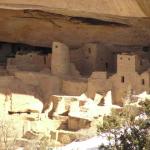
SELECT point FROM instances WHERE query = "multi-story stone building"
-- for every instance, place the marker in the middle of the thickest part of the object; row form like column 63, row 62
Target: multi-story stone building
column 90, row 69
column 132, row 74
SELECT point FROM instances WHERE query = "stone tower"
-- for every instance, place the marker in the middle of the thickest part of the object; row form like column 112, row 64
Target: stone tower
column 127, row 63
column 60, row 63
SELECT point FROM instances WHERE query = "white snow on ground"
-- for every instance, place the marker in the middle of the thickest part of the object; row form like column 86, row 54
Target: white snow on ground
column 94, row 143
column 90, row 144
column 142, row 97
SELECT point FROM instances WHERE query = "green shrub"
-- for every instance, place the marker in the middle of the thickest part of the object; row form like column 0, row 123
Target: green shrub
column 145, row 107
column 139, row 136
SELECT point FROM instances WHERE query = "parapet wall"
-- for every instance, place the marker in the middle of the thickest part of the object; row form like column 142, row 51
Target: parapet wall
column 29, row 62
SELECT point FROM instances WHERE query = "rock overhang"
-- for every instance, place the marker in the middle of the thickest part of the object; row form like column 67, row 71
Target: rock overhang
column 73, row 22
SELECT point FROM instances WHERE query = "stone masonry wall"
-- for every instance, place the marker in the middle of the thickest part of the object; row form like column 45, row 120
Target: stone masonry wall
column 60, row 63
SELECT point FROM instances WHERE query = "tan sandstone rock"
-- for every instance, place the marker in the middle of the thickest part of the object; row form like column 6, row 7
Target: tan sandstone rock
column 24, row 103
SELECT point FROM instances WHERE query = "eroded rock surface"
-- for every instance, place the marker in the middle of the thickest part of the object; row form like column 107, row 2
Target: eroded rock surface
column 75, row 22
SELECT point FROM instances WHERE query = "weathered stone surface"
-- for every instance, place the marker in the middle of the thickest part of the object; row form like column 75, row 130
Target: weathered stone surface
column 63, row 120
column 17, row 96
column 74, row 87
column 76, row 123
column 60, row 64
column 30, row 135
column 45, row 83
column 60, row 104
column 98, row 98
column 45, row 125
column 74, row 106
column 108, row 99
column 24, row 103
column 65, row 137
column 75, row 22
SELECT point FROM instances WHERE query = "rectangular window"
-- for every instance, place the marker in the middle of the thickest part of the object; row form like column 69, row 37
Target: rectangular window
column 106, row 66
column 143, row 82
column 45, row 60
column 89, row 50
column 122, row 79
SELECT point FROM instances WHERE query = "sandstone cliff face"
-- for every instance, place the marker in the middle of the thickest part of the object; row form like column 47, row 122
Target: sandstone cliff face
column 130, row 8
column 74, row 22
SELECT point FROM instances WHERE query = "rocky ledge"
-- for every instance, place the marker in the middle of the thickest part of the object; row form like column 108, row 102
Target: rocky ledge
column 75, row 22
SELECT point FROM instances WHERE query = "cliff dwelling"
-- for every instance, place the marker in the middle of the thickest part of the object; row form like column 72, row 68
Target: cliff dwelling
column 89, row 69
column 63, row 66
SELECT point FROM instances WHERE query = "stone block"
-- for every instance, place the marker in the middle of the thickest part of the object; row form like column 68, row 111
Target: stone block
column 24, row 103
column 97, row 98
column 76, row 123
column 65, row 137
column 60, row 104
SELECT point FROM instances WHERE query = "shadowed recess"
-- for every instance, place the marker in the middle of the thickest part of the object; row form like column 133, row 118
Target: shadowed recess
column 36, row 14
column 92, row 21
